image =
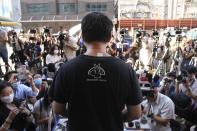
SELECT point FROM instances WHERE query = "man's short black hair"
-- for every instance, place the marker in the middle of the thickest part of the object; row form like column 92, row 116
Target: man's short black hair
column 8, row 75
column 96, row 27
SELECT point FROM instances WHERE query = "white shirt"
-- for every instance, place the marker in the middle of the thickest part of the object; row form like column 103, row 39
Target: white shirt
column 70, row 48
column 144, row 56
column 52, row 58
column 163, row 107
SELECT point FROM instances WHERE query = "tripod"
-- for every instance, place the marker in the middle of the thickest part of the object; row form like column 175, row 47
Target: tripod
column 160, row 63
column 177, row 60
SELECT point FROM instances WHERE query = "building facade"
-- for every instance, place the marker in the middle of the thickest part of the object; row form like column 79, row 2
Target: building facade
column 16, row 10
column 70, row 11
column 5, row 8
column 158, row 9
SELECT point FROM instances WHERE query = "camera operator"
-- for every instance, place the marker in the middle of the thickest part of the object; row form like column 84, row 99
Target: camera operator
column 33, row 54
column 188, row 85
column 186, row 96
column 3, row 50
column 134, row 50
column 159, row 110
column 18, row 49
column 166, row 87
column 188, row 53
column 61, row 38
column 47, row 41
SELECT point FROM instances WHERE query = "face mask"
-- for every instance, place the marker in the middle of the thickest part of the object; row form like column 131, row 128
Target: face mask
column 159, row 50
column 38, row 82
column 15, row 85
column 56, row 52
column 8, row 99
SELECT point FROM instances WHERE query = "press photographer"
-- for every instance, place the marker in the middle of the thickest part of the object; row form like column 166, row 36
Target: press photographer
column 159, row 110
column 33, row 53
column 188, row 53
column 186, row 96
column 47, row 41
column 61, row 38
column 17, row 56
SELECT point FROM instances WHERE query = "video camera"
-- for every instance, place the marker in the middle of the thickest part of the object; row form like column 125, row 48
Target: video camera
column 46, row 30
column 155, row 35
column 179, row 36
column 139, row 38
column 148, row 92
column 181, row 79
column 167, row 80
column 32, row 31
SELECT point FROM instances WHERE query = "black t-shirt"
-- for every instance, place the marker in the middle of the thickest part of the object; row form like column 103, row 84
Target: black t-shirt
column 96, row 89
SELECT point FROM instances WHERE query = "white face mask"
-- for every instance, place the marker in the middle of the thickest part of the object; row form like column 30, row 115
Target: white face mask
column 56, row 52
column 159, row 50
column 8, row 99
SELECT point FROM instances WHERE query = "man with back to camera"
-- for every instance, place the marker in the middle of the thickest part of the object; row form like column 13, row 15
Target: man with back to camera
column 95, row 85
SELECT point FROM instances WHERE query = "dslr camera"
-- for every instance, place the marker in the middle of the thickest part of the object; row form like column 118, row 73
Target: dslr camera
column 32, row 31
column 179, row 36
column 155, row 35
column 181, row 79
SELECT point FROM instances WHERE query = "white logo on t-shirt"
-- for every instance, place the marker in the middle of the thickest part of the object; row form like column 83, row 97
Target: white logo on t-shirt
column 96, row 72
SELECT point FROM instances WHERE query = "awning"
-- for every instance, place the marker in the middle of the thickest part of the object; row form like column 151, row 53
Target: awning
column 8, row 22
column 4, row 23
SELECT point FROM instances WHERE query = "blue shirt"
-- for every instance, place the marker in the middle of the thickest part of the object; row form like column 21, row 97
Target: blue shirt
column 22, row 92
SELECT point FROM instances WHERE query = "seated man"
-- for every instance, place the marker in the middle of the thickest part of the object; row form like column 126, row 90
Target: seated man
column 21, row 91
column 186, row 96
column 159, row 109
column 188, row 85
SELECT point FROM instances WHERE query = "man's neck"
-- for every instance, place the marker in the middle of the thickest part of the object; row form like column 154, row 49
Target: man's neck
column 96, row 49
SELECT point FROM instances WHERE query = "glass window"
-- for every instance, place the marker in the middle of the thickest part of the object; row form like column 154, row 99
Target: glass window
column 67, row 7
column 98, row 7
column 37, row 8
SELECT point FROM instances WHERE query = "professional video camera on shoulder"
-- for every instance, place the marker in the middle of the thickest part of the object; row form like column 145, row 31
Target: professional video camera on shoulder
column 139, row 38
column 32, row 31
column 179, row 35
column 14, row 34
column 155, row 35
column 182, row 78
column 148, row 92
column 46, row 30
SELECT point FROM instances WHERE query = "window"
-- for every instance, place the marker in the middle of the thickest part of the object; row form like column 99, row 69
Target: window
column 67, row 7
column 37, row 8
column 98, row 7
